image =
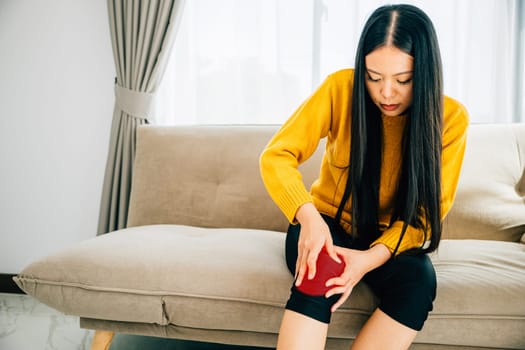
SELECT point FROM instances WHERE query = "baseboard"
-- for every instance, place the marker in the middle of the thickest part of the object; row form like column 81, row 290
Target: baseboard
column 7, row 285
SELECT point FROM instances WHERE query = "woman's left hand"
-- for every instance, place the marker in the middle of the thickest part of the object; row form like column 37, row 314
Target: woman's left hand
column 358, row 263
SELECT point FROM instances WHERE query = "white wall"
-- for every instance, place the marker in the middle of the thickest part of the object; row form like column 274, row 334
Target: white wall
column 56, row 104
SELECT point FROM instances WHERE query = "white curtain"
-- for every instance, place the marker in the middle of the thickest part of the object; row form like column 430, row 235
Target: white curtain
column 254, row 61
column 142, row 35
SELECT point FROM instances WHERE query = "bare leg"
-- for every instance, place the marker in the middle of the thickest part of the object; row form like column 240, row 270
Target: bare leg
column 383, row 332
column 102, row 340
column 301, row 332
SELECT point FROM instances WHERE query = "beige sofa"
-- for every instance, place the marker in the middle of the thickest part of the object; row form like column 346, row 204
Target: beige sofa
column 203, row 257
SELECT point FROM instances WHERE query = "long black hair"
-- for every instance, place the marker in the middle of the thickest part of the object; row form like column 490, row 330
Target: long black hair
column 419, row 191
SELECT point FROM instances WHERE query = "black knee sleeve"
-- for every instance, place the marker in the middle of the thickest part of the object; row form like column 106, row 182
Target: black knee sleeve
column 316, row 307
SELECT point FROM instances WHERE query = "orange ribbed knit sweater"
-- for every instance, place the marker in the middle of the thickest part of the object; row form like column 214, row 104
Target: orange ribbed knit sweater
column 325, row 114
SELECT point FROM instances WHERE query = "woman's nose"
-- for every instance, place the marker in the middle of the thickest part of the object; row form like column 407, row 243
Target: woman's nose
column 387, row 90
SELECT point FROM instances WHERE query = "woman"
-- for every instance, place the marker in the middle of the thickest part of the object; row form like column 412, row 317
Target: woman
column 393, row 155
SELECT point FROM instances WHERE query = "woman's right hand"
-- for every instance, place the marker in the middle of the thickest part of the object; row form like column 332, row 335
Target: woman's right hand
column 314, row 235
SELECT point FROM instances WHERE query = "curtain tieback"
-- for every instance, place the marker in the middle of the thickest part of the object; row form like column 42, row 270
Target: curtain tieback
column 135, row 103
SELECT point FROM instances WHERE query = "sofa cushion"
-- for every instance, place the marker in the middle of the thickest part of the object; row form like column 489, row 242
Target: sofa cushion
column 490, row 201
column 236, row 279
column 173, row 274
column 210, row 177
column 480, row 294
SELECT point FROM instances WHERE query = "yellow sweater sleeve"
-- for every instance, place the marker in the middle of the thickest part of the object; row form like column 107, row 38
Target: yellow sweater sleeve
column 294, row 143
column 454, row 143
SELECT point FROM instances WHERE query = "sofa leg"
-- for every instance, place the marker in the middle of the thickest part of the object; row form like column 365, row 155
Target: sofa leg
column 102, row 340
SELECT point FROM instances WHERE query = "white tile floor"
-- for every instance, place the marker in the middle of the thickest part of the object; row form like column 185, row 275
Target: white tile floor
column 26, row 324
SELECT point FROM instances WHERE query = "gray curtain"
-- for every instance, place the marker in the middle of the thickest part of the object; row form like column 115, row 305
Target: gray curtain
column 142, row 35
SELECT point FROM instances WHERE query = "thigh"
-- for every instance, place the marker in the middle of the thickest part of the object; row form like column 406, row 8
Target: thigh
column 402, row 270
column 406, row 287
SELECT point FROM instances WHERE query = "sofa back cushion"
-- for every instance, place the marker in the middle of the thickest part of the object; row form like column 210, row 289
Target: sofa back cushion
column 205, row 176
column 490, row 201
column 208, row 176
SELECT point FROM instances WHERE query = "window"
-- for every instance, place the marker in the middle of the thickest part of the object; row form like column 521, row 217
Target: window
column 255, row 61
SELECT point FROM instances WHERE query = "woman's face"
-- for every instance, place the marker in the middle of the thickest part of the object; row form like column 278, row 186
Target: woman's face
column 389, row 79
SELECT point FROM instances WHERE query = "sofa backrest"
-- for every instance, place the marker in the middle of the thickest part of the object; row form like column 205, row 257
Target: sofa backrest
column 490, row 201
column 204, row 176
column 209, row 176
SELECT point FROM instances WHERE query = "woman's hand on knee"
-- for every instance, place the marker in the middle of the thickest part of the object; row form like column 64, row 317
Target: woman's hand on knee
column 314, row 235
column 357, row 264
column 312, row 239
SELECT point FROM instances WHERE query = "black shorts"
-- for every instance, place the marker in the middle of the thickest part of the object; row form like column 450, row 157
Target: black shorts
column 405, row 285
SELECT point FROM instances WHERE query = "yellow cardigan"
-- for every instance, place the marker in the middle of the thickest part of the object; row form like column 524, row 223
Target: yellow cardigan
column 325, row 114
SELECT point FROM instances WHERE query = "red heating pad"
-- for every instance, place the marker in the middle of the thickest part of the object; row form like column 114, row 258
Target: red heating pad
column 327, row 268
